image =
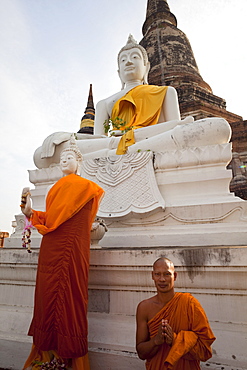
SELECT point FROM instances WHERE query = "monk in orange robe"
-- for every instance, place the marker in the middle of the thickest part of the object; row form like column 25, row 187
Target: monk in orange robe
column 172, row 328
column 59, row 324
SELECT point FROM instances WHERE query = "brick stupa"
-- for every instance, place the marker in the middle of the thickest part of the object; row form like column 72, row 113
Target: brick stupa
column 173, row 63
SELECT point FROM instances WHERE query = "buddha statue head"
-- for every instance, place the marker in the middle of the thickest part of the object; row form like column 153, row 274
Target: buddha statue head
column 71, row 158
column 133, row 62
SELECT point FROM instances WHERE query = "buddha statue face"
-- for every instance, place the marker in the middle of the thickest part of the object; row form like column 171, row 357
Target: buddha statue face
column 71, row 158
column 68, row 162
column 131, row 65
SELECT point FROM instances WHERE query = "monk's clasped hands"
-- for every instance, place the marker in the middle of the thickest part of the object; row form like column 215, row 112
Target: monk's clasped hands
column 165, row 334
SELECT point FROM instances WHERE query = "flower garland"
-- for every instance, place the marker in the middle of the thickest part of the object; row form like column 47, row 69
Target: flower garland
column 55, row 364
column 26, row 235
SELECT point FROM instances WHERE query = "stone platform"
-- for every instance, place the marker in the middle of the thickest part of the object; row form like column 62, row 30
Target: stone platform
column 119, row 279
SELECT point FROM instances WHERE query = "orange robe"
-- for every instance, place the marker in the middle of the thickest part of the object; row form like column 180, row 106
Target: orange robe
column 140, row 107
column 59, row 321
column 193, row 335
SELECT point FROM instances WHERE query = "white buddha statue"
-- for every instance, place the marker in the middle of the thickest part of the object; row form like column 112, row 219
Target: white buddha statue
column 143, row 117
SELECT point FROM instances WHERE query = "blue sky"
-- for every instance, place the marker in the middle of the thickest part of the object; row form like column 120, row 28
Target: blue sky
column 51, row 50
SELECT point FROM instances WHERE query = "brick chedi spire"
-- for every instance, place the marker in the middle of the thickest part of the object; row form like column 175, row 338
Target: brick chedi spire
column 87, row 121
column 154, row 11
column 173, row 63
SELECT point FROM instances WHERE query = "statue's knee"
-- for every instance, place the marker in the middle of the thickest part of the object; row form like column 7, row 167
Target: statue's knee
column 208, row 131
column 220, row 130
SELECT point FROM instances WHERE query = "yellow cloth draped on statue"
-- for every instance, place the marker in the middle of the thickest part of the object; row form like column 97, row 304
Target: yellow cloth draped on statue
column 140, row 107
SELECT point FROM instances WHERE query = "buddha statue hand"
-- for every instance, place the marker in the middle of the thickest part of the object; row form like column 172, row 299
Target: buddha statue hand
column 26, row 202
column 186, row 120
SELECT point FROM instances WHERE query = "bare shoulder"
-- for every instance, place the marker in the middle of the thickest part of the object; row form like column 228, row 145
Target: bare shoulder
column 145, row 308
column 171, row 91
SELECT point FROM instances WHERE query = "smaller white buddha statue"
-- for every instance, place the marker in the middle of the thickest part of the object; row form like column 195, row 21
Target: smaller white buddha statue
column 70, row 163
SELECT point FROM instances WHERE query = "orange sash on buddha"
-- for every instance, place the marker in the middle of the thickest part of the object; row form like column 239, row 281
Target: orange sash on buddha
column 193, row 335
column 140, row 107
column 66, row 198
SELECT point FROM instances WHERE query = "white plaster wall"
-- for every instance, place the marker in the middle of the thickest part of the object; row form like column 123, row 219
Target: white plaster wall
column 119, row 279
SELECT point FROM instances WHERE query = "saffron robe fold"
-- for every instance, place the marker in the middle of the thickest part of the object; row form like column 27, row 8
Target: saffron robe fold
column 140, row 107
column 61, row 295
column 192, row 335
column 67, row 196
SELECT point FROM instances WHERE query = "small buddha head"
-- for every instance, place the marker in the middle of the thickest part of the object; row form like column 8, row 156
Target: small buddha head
column 133, row 62
column 71, row 159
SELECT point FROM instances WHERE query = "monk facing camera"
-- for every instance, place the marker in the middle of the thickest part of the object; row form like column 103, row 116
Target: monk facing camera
column 173, row 331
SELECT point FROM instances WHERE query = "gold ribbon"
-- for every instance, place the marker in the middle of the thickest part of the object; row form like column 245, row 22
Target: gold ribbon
column 126, row 140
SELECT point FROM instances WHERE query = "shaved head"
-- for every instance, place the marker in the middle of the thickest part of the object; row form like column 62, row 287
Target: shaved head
column 164, row 275
column 163, row 260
